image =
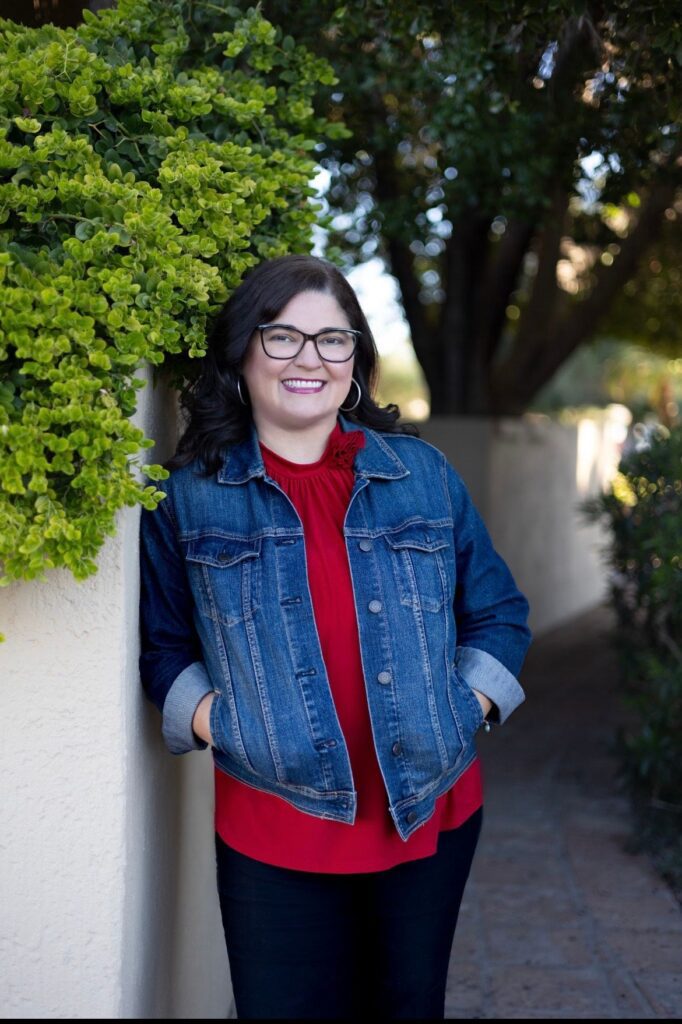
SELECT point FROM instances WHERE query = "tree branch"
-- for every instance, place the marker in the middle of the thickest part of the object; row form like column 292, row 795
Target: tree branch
column 540, row 311
column 464, row 383
column 499, row 281
column 402, row 268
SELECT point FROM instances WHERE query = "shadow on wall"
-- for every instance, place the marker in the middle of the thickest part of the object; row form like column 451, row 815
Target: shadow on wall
column 174, row 959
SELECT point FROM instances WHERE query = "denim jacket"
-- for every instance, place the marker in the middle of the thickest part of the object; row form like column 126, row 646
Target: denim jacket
column 226, row 607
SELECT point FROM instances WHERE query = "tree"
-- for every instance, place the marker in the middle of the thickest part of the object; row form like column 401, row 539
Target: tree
column 512, row 163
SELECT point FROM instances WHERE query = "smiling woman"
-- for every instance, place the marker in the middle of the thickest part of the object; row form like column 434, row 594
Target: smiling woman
column 220, row 403
column 296, row 400
column 322, row 604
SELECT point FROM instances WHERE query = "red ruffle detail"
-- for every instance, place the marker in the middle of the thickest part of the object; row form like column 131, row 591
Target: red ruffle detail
column 342, row 452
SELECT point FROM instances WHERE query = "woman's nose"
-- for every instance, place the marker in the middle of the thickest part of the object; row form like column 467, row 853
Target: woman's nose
column 308, row 355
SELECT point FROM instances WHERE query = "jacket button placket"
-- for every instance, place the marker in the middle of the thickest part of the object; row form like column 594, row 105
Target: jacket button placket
column 307, row 662
column 384, row 676
column 392, row 774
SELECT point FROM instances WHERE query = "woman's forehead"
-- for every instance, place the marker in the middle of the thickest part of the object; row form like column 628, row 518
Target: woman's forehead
column 311, row 310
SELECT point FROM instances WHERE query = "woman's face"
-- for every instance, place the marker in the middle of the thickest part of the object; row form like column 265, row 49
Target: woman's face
column 288, row 394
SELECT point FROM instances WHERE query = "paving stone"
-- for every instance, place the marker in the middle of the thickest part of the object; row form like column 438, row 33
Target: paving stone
column 518, row 990
column 629, row 1000
column 551, row 946
column 638, row 949
column 522, row 840
column 545, row 1014
column 466, row 947
column 648, row 910
column 533, row 868
column 663, row 989
column 528, row 904
column 464, row 991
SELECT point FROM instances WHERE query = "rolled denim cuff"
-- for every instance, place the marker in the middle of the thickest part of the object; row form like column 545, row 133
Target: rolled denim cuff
column 489, row 676
column 182, row 700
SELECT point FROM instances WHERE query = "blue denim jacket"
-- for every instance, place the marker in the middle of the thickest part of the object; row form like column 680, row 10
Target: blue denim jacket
column 226, row 607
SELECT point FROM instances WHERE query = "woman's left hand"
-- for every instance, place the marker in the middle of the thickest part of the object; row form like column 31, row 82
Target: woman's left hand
column 484, row 701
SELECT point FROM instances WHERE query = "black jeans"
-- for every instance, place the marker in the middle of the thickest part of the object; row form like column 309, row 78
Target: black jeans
column 305, row 944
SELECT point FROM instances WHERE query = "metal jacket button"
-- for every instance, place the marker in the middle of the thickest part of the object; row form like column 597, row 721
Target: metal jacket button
column 374, row 606
column 396, row 748
column 365, row 545
column 410, row 817
column 384, row 677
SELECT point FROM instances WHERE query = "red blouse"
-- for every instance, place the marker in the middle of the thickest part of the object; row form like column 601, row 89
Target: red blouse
column 267, row 827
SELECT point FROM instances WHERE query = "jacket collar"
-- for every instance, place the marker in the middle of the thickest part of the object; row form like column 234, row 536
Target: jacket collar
column 244, row 460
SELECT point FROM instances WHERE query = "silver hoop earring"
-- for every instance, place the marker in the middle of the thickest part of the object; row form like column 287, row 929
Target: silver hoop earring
column 357, row 401
column 239, row 389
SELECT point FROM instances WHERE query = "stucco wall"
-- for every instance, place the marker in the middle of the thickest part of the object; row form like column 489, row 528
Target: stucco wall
column 64, row 783
column 107, row 870
column 174, row 963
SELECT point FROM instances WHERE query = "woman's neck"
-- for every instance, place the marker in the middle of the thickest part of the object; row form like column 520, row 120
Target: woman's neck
column 304, row 445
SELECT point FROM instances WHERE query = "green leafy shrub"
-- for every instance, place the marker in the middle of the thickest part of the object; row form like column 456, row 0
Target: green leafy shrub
column 147, row 159
column 644, row 510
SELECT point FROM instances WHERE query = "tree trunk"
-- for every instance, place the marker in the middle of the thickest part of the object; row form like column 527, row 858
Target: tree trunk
column 463, row 379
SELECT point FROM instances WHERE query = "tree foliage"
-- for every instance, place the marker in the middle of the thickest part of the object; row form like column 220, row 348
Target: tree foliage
column 512, row 163
column 147, row 158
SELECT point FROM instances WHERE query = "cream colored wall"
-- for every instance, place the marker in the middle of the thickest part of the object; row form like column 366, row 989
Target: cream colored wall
column 64, row 783
column 174, row 963
column 107, row 872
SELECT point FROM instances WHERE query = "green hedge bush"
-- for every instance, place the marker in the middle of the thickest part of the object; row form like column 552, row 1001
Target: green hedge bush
column 644, row 512
column 147, row 159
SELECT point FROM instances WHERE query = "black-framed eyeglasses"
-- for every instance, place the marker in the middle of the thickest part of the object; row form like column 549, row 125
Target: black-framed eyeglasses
column 333, row 344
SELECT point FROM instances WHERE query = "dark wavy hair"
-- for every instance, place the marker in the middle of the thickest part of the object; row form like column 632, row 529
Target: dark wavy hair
column 216, row 417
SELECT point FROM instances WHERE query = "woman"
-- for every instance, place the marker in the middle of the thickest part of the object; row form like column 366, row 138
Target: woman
column 322, row 604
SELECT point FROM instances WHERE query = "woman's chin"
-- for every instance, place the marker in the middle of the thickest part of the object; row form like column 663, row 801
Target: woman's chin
column 309, row 415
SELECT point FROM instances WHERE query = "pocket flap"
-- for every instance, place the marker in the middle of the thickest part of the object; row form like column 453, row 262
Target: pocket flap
column 420, row 536
column 221, row 552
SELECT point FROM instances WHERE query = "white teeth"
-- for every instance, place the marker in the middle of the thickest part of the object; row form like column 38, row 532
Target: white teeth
column 313, row 384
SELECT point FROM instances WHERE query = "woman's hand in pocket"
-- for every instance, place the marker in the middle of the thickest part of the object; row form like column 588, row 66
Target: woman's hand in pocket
column 202, row 718
column 484, row 701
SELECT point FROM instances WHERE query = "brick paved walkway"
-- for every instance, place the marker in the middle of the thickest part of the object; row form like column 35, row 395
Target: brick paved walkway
column 558, row 920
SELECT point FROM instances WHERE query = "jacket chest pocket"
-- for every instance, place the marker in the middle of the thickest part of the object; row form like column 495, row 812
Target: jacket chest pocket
column 225, row 573
column 418, row 556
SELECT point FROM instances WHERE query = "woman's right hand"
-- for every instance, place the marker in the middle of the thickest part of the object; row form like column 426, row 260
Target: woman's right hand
column 201, row 719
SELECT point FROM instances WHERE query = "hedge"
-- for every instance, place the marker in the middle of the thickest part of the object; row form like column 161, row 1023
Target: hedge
column 643, row 510
column 148, row 158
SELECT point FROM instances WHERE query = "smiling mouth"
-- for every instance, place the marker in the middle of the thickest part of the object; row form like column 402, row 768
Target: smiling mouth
column 303, row 386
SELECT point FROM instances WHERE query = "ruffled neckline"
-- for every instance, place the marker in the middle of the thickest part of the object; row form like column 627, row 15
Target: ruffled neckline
column 339, row 453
